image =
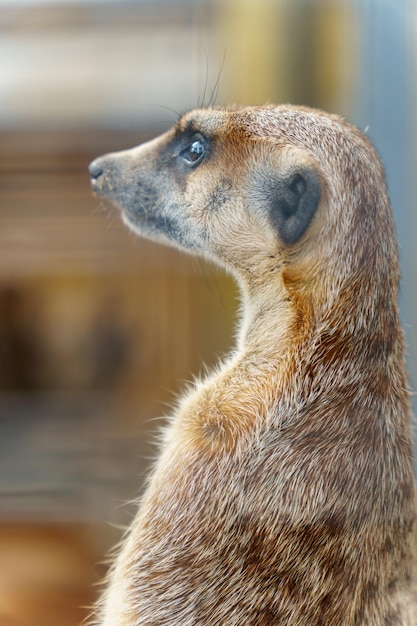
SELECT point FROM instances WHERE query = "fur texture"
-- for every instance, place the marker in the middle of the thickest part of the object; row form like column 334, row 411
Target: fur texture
column 284, row 492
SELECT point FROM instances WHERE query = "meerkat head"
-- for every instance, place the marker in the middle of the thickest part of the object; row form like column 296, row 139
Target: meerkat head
column 261, row 190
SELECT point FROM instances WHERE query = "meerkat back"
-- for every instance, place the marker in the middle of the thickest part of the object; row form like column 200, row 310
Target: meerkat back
column 284, row 491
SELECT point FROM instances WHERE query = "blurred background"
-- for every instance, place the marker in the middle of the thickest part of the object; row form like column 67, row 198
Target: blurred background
column 98, row 329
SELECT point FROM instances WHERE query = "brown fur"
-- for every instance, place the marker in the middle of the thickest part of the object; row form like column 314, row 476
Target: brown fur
column 284, row 491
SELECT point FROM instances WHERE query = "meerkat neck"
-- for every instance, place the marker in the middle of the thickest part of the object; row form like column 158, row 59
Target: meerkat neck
column 267, row 317
column 278, row 322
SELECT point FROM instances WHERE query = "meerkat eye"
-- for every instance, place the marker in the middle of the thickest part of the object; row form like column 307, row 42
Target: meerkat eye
column 195, row 151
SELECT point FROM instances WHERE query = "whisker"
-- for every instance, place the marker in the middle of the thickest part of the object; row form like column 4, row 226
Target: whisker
column 215, row 91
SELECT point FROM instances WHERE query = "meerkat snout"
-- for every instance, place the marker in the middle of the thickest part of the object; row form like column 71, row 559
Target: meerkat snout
column 95, row 170
column 284, row 491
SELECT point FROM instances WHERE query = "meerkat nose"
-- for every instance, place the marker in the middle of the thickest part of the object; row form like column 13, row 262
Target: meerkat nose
column 95, row 169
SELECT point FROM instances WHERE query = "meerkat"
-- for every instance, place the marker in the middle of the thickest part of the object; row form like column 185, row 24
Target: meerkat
column 284, row 491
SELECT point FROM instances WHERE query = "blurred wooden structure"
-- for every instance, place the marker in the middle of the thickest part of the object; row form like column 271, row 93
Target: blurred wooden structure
column 107, row 327
column 47, row 574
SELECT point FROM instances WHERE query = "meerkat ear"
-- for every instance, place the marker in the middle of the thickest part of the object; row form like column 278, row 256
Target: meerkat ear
column 293, row 203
